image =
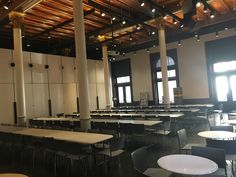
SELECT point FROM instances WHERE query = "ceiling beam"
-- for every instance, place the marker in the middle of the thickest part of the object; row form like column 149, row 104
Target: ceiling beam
column 61, row 24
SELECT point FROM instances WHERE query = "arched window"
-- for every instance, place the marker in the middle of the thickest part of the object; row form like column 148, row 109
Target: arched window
column 157, row 75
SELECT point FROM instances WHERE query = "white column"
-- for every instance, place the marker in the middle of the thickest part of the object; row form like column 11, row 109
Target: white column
column 81, row 62
column 162, row 44
column 16, row 19
column 107, row 77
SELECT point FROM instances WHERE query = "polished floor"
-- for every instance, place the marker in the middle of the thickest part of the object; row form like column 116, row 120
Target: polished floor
column 122, row 166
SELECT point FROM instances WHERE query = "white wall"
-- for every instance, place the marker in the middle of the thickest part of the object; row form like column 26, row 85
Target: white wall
column 57, row 82
column 191, row 65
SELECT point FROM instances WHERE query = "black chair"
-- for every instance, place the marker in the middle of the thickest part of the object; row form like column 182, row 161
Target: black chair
column 215, row 154
column 183, row 141
column 141, row 168
column 222, row 128
column 116, row 148
column 228, row 145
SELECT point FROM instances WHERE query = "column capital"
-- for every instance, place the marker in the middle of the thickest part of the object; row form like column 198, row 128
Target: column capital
column 16, row 18
column 160, row 23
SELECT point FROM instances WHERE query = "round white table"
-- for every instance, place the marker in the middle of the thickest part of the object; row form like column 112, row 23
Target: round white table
column 187, row 164
column 217, row 134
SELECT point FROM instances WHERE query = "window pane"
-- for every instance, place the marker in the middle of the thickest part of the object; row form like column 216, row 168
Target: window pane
column 224, row 66
column 170, row 62
column 160, row 92
column 171, row 73
column 128, row 94
column 233, row 86
column 159, row 75
column 124, row 79
column 121, row 94
column 221, row 88
column 172, row 85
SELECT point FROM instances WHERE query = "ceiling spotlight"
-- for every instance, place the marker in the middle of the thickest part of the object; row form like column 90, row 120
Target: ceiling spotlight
column 198, row 4
column 123, row 54
column 142, row 4
column 195, row 35
column 153, row 10
column 212, row 15
column 217, row 34
column 123, row 22
column 5, row 7
column 130, row 37
column 226, row 28
column 153, row 33
column 165, row 17
column 179, row 43
column 138, row 27
column 154, row 45
column 49, row 36
column 113, row 18
column 181, row 25
column 198, row 38
column 102, row 13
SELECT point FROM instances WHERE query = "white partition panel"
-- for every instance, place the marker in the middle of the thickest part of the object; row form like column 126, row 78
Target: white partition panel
column 55, row 69
column 56, row 94
column 6, row 104
column 91, row 71
column 6, row 75
column 27, row 70
column 40, row 100
column 93, row 96
column 99, row 72
column 68, row 71
column 101, row 95
column 29, row 98
column 39, row 72
column 69, row 93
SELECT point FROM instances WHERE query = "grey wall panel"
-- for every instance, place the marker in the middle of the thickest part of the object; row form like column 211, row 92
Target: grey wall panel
column 6, row 104
column 56, row 95
column 39, row 71
column 92, row 96
column 29, row 99
column 6, row 75
column 55, row 71
column 27, row 70
column 40, row 94
column 69, row 97
column 68, row 70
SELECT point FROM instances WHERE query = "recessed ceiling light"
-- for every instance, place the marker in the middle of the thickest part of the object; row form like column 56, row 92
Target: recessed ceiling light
column 198, row 4
column 153, row 10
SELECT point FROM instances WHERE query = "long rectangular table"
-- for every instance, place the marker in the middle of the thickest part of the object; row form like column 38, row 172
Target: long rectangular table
column 77, row 137
column 145, row 122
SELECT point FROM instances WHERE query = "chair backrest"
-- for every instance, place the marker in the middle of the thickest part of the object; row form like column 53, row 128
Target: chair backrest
column 138, row 128
column 126, row 128
column 139, row 159
column 182, row 138
column 117, row 143
column 229, row 128
column 215, row 154
column 228, row 145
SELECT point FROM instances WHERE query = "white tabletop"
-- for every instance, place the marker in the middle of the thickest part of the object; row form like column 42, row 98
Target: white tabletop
column 77, row 137
column 12, row 175
column 217, row 134
column 187, row 164
column 145, row 122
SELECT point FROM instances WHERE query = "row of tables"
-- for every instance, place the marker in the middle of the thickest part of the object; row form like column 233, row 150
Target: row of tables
column 145, row 122
column 76, row 137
